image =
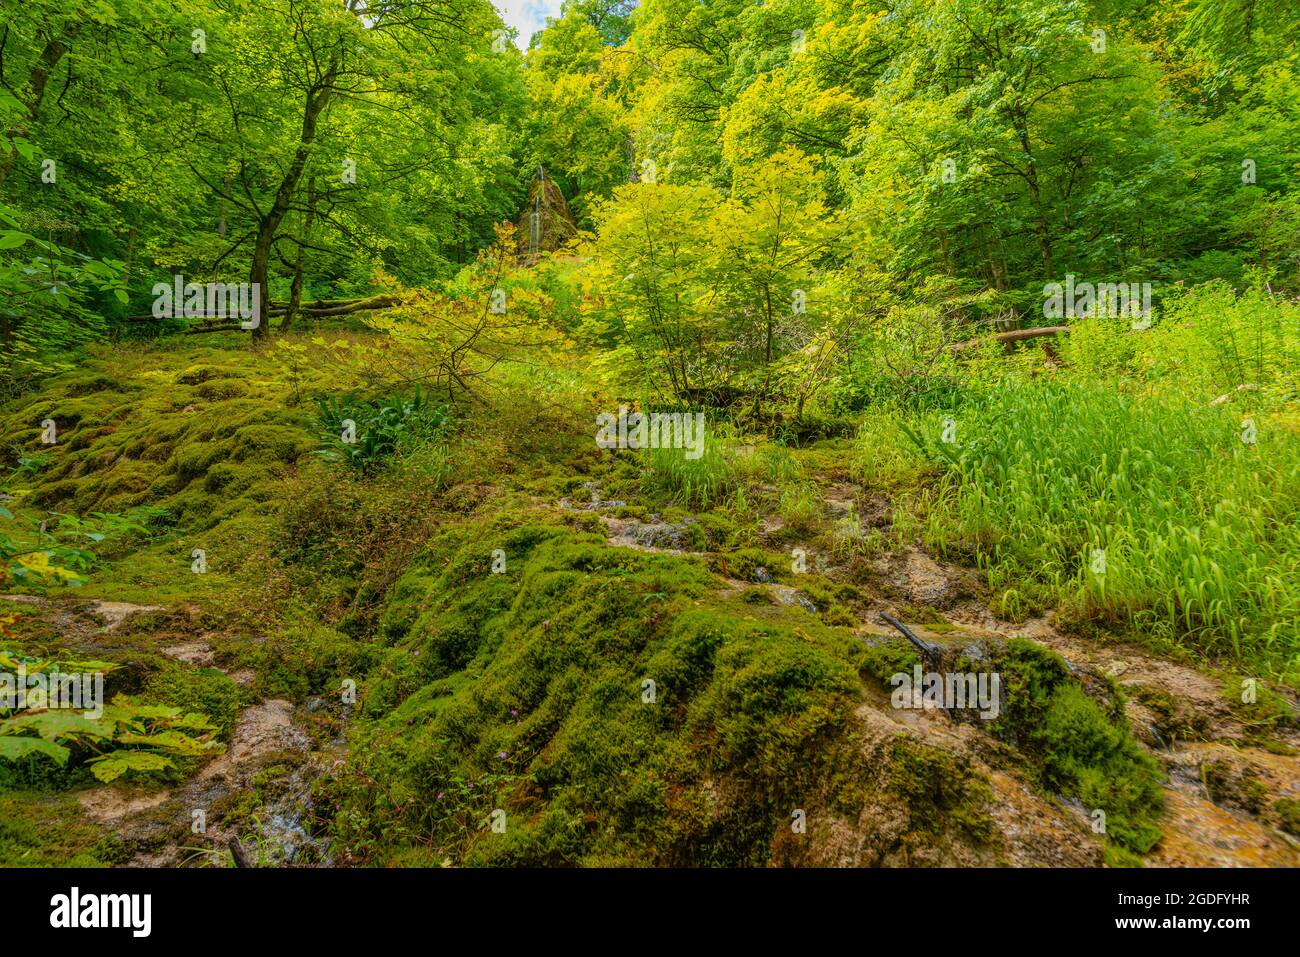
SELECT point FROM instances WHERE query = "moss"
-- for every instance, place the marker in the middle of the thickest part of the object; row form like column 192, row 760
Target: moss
column 887, row 658
column 304, row 660
column 270, row 443
column 195, row 374
column 585, row 694
column 38, row 830
column 1114, row 855
column 1079, row 742
column 712, row 531
column 1173, row 719
column 206, row 690
column 1288, row 812
column 234, row 807
column 745, row 563
column 638, row 512
column 839, row 615
column 227, row 478
column 132, row 433
column 1229, row 786
column 218, row 389
column 194, row 460
column 941, row 791
column 95, row 383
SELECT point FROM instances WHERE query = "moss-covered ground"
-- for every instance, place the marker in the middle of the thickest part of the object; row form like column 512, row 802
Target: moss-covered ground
column 528, row 650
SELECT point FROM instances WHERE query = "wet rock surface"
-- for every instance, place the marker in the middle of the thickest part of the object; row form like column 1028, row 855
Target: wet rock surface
column 1165, row 702
column 266, row 770
column 269, row 755
column 653, row 535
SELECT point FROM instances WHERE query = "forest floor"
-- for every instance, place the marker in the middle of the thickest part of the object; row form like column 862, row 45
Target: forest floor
column 317, row 577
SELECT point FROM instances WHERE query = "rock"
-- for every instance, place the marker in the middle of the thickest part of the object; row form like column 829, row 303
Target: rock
column 792, row 596
column 197, row 653
column 116, row 612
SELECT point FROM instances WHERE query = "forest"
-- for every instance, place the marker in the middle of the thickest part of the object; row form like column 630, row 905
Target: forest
column 702, row 433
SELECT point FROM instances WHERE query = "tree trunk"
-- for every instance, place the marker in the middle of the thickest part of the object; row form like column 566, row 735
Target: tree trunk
column 317, row 99
column 1035, row 194
column 45, row 64
column 295, row 290
column 258, row 274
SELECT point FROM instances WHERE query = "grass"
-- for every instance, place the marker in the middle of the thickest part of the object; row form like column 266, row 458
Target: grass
column 701, row 482
column 1142, row 510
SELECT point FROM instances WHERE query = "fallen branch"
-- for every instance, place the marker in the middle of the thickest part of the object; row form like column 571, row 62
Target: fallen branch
column 928, row 651
column 1015, row 335
column 320, row 307
column 224, row 327
column 1244, row 387
column 239, row 854
column 323, row 303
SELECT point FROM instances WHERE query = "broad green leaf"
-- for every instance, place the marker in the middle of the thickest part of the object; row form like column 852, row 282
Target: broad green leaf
column 13, row 747
column 111, row 766
column 171, row 741
column 58, row 723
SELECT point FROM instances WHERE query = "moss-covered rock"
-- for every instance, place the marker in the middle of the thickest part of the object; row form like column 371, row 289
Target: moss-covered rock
column 1072, row 728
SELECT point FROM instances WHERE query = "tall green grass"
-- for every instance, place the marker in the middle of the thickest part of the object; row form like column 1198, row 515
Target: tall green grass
column 1199, row 530
column 702, row 482
column 1209, row 340
column 731, row 469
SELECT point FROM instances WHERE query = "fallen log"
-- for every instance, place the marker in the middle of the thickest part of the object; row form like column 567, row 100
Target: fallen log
column 223, row 327
column 308, row 310
column 1015, row 335
column 320, row 307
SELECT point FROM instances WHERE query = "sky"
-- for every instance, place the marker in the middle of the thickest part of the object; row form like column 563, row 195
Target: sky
column 528, row 15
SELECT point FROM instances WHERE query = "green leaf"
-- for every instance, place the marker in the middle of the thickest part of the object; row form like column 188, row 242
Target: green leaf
column 194, row 720
column 171, row 741
column 111, row 766
column 58, row 723
column 13, row 748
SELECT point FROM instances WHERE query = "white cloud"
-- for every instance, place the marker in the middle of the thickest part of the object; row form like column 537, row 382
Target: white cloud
column 528, row 16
